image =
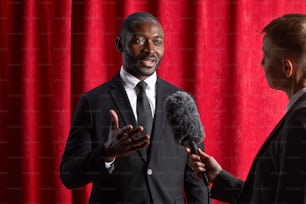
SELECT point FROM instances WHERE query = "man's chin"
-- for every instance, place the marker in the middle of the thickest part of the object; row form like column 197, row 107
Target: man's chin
column 147, row 71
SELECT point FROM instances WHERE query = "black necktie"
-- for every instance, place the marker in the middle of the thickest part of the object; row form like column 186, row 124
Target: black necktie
column 144, row 113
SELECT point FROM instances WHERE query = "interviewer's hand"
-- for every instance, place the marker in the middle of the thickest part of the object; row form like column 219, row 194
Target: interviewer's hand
column 123, row 141
column 204, row 163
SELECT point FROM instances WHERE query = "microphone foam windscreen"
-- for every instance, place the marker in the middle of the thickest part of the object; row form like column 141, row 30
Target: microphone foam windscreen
column 183, row 117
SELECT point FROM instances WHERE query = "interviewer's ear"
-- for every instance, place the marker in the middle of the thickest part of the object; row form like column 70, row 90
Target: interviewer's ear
column 288, row 67
column 119, row 44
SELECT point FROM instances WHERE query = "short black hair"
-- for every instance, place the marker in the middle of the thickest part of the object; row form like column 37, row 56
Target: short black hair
column 129, row 21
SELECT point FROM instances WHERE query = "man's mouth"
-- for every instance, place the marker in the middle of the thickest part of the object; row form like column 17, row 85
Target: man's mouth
column 148, row 61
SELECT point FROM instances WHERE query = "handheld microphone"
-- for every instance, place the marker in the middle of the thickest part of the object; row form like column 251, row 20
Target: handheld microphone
column 183, row 117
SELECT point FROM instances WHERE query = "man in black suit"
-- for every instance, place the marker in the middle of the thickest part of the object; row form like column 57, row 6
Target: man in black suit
column 125, row 160
column 278, row 172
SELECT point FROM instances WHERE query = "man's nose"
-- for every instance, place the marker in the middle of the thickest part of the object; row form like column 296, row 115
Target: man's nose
column 149, row 46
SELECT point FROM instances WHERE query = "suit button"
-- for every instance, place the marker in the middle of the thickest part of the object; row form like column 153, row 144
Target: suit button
column 149, row 172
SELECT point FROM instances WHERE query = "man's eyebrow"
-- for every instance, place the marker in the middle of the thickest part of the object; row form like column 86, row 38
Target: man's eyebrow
column 143, row 35
column 159, row 36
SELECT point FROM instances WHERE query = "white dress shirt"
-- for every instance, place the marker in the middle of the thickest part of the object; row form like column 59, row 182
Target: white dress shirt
column 130, row 82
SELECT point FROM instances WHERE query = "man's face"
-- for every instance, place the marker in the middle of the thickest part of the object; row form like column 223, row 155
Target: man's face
column 272, row 62
column 143, row 48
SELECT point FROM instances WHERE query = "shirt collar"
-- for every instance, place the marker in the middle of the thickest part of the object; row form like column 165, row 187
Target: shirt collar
column 295, row 97
column 130, row 81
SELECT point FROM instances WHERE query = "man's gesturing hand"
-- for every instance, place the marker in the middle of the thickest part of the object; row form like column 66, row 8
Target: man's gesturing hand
column 123, row 141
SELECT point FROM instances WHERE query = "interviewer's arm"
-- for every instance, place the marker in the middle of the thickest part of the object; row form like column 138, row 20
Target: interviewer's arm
column 225, row 186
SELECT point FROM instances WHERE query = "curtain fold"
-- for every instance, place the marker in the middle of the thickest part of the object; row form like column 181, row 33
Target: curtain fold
column 52, row 51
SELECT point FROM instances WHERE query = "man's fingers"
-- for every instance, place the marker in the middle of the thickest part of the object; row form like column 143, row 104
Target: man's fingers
column 125, row 132
column 140, row 142
column 139, row 146
column 114, row 120
column 136, row 130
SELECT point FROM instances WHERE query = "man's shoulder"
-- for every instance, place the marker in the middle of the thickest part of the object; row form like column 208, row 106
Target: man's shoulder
column 103, row 88
column 163, row 84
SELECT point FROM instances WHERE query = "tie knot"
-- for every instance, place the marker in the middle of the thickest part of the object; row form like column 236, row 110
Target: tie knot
column 141, row 86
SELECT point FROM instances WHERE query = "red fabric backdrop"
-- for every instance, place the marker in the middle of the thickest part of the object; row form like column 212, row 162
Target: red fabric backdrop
column 52, row 51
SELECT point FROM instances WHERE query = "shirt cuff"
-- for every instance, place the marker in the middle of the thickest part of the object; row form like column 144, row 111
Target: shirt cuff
column 110, row 166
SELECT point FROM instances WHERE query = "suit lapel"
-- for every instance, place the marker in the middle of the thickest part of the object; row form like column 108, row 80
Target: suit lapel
column 124, row 109
column 273, row 133
column 122, row 103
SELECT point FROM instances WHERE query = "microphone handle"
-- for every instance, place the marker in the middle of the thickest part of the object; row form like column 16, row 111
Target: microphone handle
column 194, row 150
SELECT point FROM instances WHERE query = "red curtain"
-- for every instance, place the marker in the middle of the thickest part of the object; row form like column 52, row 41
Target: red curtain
column 51, row 51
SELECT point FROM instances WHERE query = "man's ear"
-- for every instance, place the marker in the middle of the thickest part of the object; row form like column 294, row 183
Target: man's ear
column 119, row 44
column 288, row 67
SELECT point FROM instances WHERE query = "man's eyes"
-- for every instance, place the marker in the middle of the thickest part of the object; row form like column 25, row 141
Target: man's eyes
column 158, row 42
column 143, row 41
column 139, row 41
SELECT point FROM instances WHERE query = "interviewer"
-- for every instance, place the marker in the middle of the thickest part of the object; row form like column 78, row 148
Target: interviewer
column 278, row 172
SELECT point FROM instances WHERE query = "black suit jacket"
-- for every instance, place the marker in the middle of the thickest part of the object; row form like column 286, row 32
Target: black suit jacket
column 278, row 173
column 159, row 176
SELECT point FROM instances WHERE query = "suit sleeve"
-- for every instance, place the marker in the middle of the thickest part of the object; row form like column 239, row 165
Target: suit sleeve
column 82, row 159
column 196, row 191
column 292, row 184
column 226, row 187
